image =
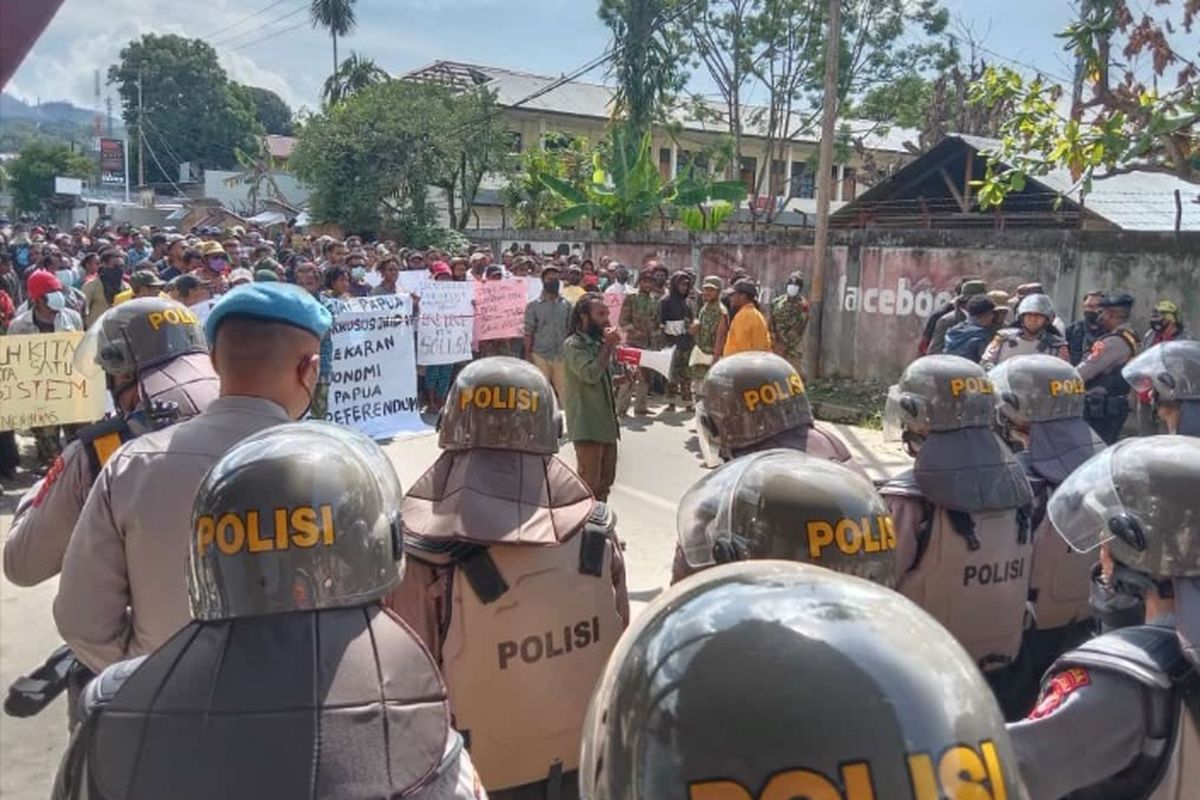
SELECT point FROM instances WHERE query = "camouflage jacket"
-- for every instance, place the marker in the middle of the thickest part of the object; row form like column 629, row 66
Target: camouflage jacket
column 640, row 321
column 789, row 319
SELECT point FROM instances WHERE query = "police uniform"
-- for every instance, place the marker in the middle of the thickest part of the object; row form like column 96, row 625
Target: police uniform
column 963, row 537
column 1118, row 716
column 120, row 594
column 292, row 680
column 1016, row 341
column 1108, row 393
column 515, row 579
column 771, row 680
column 1040, row 401
column 786, row 504
column 175, row 381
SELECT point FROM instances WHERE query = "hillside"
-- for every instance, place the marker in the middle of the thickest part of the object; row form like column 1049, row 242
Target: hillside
column 21, row 121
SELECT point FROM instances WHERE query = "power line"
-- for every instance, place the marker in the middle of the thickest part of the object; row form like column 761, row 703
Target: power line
column 153, row 155
column 229, row 40
column 288, row 29
column 246, row 18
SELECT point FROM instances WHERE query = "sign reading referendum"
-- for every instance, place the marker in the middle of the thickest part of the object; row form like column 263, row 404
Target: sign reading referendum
column 39, row 385
column 373, row 377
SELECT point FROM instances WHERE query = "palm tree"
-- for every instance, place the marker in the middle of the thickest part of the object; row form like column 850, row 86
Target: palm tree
column 336, row 16
column 355, row 73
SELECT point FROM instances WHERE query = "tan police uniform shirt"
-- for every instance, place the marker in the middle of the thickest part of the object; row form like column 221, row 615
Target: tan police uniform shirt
column 45, row 517
column 123, row 590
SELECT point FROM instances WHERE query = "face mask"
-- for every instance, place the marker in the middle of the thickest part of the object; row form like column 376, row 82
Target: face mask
column 312, row 396
column 1158, row 324
column 551, row 287
column 218, row 265
column 793, row 290
column 1091, row 316
column 358, row 273
column 56, row 301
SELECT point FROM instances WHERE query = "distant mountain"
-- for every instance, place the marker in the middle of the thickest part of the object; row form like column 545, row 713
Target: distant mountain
column 57, row 111
column 21, row 122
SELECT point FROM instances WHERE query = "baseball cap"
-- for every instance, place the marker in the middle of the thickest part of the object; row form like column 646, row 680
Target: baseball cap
column 439, row 268
column 240, row 275
column 713, row 282
column 266, row 275
column 980, row 304
column 591, row 281
column 270, row 302
column 145, row 279
column 748, row 288
column 972, row 288
column 41, row 283
column 1117, row 300
column 1167, row 309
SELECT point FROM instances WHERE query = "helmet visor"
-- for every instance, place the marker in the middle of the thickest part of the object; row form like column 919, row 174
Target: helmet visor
column 703, row 515
column 1171, row 368
column 893, row 416
column 1082, row 506
column 84, row 361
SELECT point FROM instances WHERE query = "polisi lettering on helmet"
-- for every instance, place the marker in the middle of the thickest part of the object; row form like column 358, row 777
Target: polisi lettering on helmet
column 1068, row 386
column 550, row 644
column 961, row 771
column 172, row 316
column 231, row 533
column 501, row 398
column 852, row 537
column 970, row 385
column 998, row 572
column 771, row 393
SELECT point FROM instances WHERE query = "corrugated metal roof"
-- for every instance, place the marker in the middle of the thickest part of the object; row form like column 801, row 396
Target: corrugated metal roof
column 1133, row 201
column 594, row 100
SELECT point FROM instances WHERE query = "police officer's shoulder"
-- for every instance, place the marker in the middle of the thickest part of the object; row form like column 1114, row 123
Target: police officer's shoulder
column 902, row 485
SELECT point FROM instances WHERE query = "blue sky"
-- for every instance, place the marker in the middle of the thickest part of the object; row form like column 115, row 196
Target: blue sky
column 277, row 49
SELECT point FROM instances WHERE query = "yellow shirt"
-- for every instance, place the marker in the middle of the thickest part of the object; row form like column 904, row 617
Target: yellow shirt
column 572, row 293
column 747, row 331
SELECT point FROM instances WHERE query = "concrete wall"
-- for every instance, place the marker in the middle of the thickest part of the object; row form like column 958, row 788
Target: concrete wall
column 881, row 285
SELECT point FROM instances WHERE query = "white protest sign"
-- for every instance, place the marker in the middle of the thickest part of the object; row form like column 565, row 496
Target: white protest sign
column 534, row 287
column 40, row 386
column 414, row 281
column 446, row 323
column 373, row 378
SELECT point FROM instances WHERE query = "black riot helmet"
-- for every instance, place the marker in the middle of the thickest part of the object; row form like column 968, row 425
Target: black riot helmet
column 750, row 397
column 139, row 334
column 1170, row 374
column 939, row 393
column 1140, row 497
column 788, row 505
column 299, row 517
column 772, row 679
column 501, row 403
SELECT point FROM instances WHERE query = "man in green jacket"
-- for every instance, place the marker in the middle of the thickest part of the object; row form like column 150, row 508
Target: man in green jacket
column 591, row 403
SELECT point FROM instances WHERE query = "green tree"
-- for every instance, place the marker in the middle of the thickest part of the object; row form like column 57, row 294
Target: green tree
column 774, row 50
column 272, row 113
column 533, row 204
column 192, row 112
column 626, row 191
column 354, row 74
column 31, row 175
column 1137, row 109
column 646, row 60
column 372, row 158
column 335, row 16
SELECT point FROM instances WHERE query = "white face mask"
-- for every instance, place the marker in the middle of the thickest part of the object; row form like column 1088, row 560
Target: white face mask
column 793, row 290
column 56, row 300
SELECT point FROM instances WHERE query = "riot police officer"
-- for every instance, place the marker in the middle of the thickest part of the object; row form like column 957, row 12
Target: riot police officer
column 1117, row 717
column 1040, row 403
column 789, row 505
column 157, row 373
column 1169, row 373
column 772, row 680
column 292, row 680
column 1108, row 393
column 757, row 401
column 516, row 581
column 963, row 538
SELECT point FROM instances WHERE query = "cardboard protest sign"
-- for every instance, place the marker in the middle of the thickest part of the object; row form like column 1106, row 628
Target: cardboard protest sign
column 414, row 281
column 533, row 286
column 614, row 301
column 500, row 309
column 373, row 378
column 40, row 386
column 446, row 323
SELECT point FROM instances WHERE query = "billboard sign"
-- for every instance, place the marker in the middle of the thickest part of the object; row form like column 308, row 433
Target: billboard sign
column 112, row 162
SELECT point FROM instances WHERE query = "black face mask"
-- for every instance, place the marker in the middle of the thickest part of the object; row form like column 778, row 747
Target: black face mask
column 1158, row 324
column 551, row 287
column 1090, row 317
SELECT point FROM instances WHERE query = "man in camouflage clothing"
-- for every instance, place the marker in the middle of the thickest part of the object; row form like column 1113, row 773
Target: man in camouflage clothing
column 641, row 325
column 709, row 329
column 789, row 320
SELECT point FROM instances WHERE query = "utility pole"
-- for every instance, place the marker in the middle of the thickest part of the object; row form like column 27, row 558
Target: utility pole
column 141, row 136
column 824, row 187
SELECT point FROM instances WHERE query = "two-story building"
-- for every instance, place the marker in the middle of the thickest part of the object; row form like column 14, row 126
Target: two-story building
column 534, row 106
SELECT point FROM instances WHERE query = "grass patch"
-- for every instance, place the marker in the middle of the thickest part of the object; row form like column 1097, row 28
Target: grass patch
column 845, row 400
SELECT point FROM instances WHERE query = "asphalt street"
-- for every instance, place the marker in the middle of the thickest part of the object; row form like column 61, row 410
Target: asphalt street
column 659, row 459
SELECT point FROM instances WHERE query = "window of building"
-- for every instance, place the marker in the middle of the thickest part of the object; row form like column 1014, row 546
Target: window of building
column 849, row 183
column 688, row 158
column 748, row 172
column 514, row 142
column 778, row 177
column 557, row 140
column 803, row 181
column 664, row 163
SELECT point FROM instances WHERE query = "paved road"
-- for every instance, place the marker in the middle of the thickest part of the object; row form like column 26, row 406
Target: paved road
column 658, row 461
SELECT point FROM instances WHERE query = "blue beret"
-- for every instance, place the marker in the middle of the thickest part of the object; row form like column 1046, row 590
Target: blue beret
column 270, row 302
